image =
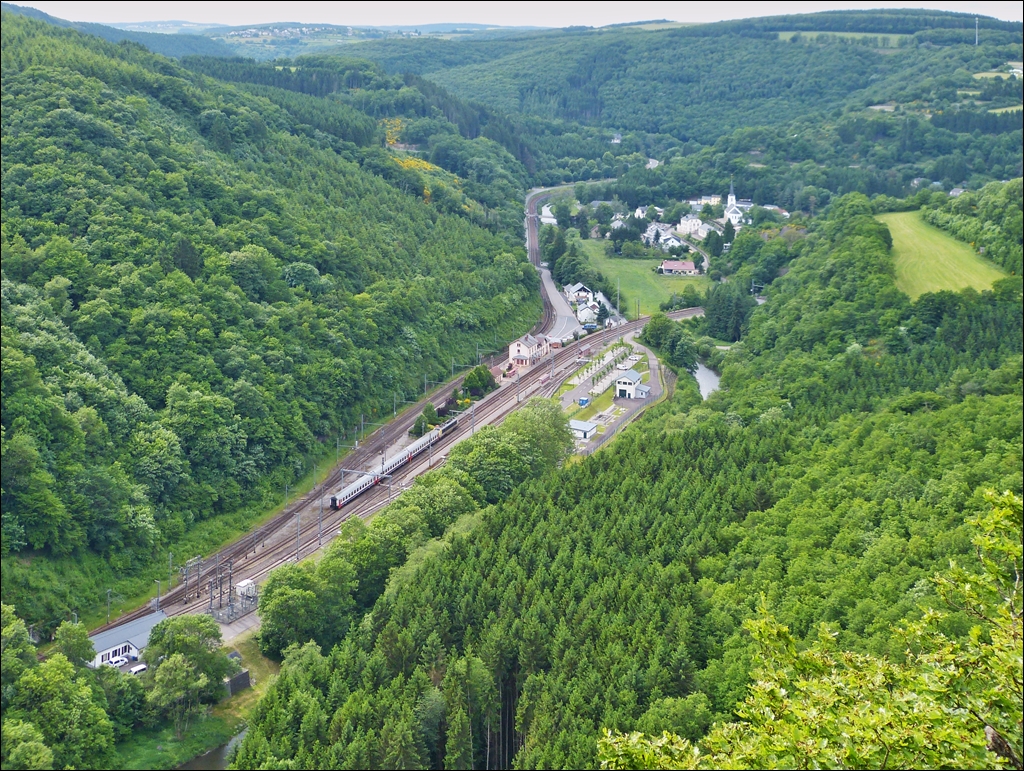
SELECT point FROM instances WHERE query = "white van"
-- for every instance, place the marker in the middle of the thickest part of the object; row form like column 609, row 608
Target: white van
column 138, row 669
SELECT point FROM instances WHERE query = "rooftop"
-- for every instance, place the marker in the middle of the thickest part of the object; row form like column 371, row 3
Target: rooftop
column 135, row 632
column 582, row 425
column 631, row 375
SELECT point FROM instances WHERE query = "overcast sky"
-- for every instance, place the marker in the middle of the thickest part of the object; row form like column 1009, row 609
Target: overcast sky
column 541, row 14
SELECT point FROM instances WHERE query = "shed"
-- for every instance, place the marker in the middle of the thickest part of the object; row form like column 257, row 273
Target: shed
column 582, row 429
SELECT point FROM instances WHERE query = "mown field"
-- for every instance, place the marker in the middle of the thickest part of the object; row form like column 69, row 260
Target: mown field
column 929, row 260
column 639, row 281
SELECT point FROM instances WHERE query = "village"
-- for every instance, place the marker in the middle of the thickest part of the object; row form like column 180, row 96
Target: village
column 685, row 236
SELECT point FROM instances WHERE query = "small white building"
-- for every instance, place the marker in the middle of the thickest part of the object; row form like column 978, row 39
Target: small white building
column 641, row 211
column 126, row 640
column 626, row 383
column 528, row 350
column 642, row 391
column 678, row 268
column 582, row 429
column 777, row 209
column 702, row 231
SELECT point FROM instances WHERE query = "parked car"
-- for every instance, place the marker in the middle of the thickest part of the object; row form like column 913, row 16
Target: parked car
column 117, row 662
column 138, row 669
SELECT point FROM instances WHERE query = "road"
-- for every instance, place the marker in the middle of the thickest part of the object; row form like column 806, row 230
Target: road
column 562, row 324
column 307, row 524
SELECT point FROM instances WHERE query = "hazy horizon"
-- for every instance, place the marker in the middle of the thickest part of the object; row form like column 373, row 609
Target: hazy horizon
column 507, row 14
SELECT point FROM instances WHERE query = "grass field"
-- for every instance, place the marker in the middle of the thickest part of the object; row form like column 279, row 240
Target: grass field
column 929, row 260
column 639, row 281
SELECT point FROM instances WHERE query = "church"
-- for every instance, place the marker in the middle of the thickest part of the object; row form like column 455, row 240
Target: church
column 736, row 211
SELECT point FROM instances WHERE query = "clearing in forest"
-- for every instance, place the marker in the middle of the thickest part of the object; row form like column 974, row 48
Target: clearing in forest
column 639, row 281
column 930, row 260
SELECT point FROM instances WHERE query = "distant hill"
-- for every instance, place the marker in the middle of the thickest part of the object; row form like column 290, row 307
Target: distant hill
column 703, row 81
column 174, row 46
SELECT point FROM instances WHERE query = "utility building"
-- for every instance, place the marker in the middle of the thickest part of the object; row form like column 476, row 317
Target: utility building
column 582, row 429
column 126, row 640
column 626, row 384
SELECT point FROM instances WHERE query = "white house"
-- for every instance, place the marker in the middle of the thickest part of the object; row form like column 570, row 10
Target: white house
column 587, row 313
column 702, row 231
column 689, row 224
column 126, row 640
column 679, row 268
column 578, row 293
column 528, row 350
column 626, row 383
column 641, row 211
column 658, row 233
column 582, row 429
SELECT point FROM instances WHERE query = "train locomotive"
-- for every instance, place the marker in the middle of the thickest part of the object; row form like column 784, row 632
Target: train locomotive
column 371, row 478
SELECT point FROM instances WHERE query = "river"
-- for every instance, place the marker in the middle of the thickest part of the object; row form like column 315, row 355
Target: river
column 707, row 380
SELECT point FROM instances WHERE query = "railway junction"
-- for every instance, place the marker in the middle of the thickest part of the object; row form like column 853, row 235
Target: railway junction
column 224, row 584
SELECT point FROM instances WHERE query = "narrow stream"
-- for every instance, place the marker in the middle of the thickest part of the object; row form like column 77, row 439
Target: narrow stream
column 216, row 759
column 707, row 380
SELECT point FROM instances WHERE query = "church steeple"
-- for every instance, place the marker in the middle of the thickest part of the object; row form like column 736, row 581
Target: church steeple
column 732, row 194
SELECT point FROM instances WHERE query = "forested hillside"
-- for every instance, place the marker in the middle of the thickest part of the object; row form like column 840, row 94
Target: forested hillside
column 794, row 113
column 202, row 285
column 830, row 479
column 702, row 81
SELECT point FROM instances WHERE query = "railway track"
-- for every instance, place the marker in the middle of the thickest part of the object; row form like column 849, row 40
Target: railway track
column 307, row 524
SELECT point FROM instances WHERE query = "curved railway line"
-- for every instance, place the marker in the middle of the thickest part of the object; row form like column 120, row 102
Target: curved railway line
column 307, row 524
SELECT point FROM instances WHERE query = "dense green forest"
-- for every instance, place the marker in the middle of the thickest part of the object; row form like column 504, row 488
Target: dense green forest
column 830, row 479
column 200, row 286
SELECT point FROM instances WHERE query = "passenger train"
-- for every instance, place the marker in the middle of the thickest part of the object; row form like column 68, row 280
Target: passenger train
column 371, row 478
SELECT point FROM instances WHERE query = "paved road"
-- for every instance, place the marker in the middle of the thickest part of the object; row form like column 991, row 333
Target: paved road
column 564, row 323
